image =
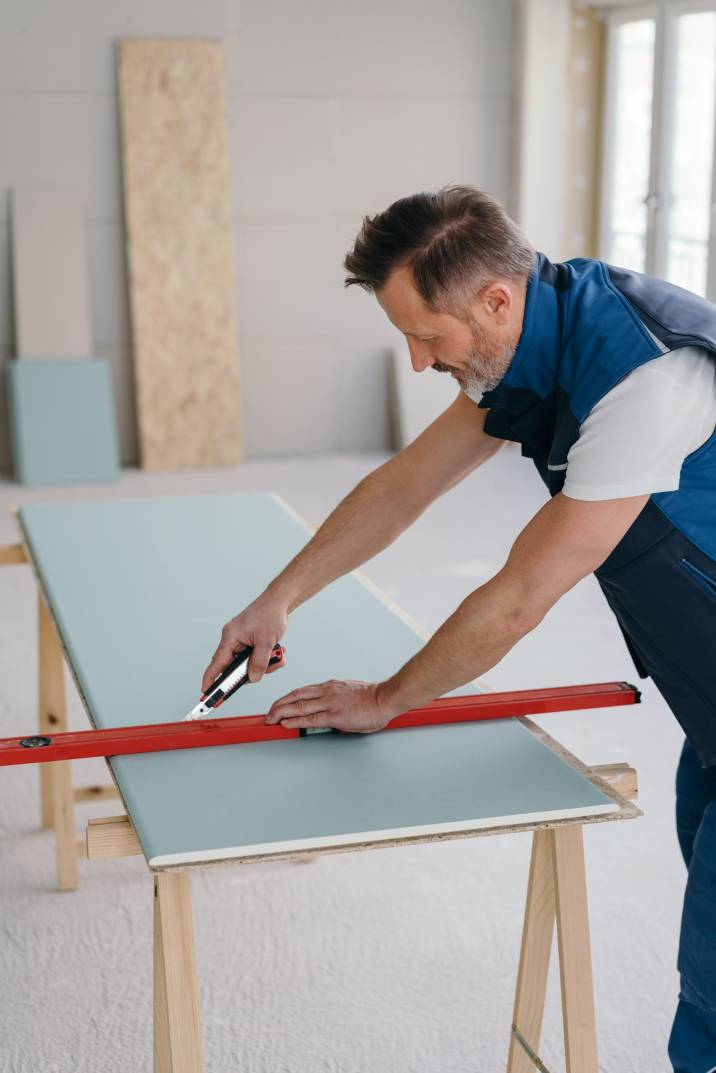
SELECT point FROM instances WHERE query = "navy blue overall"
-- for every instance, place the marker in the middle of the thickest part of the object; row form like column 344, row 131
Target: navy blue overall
column 585, row 328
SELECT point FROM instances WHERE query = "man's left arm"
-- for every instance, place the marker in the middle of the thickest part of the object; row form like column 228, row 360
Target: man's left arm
column 566, row 540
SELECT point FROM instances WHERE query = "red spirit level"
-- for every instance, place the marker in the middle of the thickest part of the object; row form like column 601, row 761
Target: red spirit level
column 158, row 737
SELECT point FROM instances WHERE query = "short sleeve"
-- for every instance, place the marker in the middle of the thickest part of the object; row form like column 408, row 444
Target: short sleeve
column 636, row 438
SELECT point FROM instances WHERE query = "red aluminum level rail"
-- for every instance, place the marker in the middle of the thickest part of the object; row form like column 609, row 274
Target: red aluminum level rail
column 158, row 737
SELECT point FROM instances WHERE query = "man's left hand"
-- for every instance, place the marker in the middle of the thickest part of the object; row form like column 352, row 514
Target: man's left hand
column 355, row 707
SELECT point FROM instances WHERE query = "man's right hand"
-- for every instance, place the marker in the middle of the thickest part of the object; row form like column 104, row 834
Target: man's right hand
column 261, row 625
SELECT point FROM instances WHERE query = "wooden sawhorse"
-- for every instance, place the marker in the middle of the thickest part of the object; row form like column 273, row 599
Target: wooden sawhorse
column 556, row 892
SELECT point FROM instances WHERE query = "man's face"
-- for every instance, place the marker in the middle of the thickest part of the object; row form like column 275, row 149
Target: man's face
column 476, row 350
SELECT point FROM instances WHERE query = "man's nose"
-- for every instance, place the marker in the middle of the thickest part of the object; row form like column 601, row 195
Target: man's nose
column 420, row 357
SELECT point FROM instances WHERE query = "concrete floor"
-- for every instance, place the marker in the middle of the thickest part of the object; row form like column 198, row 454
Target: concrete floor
column 400, row 960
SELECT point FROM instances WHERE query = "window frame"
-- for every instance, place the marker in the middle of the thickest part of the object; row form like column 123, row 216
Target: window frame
column 659, row 197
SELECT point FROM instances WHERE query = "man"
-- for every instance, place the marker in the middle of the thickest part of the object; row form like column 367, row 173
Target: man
column 607, row 379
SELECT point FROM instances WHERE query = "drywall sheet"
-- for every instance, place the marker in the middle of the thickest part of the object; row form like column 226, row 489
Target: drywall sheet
column 417, row 398
column 140, row 590
column 63, row 421
column 180, row 253
column 50, row 274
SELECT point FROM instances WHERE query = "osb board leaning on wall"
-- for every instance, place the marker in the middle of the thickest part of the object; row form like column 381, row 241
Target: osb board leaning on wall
column 180, row 252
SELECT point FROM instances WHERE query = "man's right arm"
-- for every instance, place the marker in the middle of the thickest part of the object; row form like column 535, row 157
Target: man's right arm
column 370, row 518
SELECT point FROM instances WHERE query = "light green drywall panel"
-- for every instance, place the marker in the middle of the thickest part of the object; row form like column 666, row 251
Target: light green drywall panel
column 140, row 590
column 63, row 420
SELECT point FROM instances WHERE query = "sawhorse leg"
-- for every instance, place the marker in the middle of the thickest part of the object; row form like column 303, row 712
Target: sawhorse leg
column 57, row 797
column 177, row 1025
column 557, row 889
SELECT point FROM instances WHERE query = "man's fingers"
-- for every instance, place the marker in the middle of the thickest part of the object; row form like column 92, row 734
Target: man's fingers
column 259, row 660
column 223, row 655
column 298, row 702
column 305, row 722
column 276, row 666
column 226, row 652
column 297, row 709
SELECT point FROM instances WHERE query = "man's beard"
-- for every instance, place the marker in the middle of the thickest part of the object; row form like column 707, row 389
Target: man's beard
column 480, row 373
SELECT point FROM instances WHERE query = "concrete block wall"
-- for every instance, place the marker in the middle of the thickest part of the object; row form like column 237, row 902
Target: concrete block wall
column 335, row 110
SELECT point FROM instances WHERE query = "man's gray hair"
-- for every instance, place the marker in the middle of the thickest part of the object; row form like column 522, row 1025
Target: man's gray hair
column 453, row 241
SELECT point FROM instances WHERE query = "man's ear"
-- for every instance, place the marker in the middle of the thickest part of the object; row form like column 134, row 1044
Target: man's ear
column 497, row 300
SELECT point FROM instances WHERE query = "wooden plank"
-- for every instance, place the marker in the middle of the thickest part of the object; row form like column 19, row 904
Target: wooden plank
column 57, row 799
column 12, row 555
column 162, row 1053
column 95, row 793
column 111, row 836
column 180, row 255
column 51, row 277
column 177, row 1026
column 575, row 960
column 63, row 816
column 52, row 714
column 49, row 680
column 621, row 777
column 534, row 954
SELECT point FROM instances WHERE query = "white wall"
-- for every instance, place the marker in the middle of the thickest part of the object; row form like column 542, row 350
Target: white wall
column 542, row 121
column 557, row 125
column 336, row 109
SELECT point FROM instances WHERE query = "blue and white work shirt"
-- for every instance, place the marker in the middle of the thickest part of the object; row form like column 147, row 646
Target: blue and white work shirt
column 612, row 393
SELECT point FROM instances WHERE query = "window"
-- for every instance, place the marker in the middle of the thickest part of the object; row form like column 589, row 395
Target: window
column 658, row 154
